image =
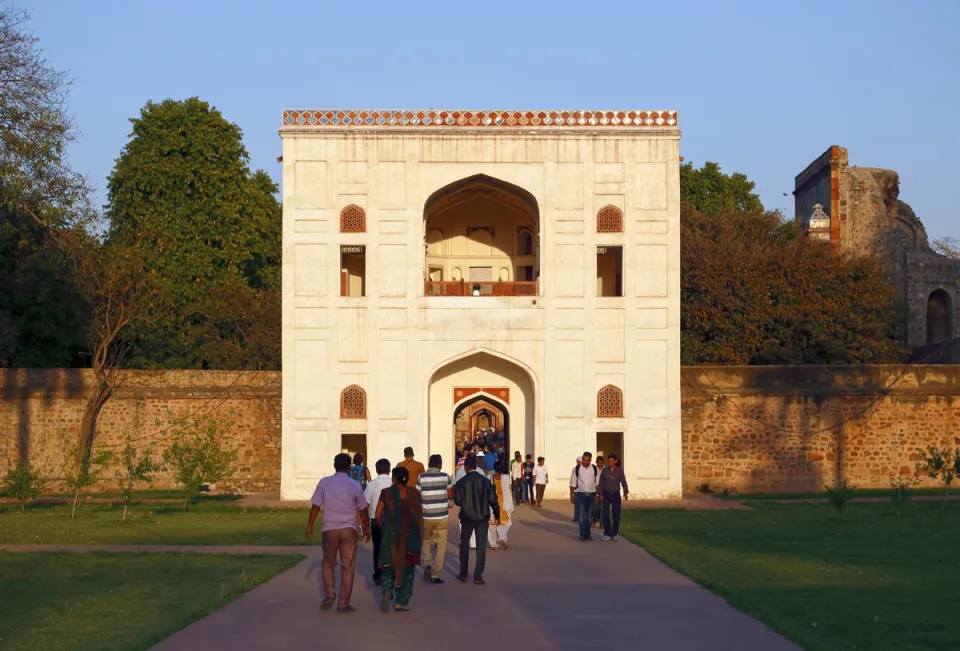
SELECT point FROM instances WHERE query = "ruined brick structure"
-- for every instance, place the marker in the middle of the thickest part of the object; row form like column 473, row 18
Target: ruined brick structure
column 751, row 428
column 864, row 216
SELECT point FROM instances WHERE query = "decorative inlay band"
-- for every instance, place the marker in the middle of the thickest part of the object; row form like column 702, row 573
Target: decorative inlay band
column 355, row 118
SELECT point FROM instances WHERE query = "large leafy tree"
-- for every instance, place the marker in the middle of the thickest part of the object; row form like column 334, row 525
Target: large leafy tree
column 712, row 192
column 42, row 313
column 183, row 185
column 754, row 290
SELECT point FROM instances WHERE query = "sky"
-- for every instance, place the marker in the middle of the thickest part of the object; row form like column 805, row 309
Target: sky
column 761, row 88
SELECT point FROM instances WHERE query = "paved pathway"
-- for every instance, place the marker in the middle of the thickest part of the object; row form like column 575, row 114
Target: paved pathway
column 549, row 591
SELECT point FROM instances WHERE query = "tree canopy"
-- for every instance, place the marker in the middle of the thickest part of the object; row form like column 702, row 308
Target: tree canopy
column 712, row 192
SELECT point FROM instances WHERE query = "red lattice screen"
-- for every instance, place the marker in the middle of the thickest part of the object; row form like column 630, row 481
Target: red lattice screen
column 353, row 402
column 353, row 219
column 610, row 402
column 609, row 220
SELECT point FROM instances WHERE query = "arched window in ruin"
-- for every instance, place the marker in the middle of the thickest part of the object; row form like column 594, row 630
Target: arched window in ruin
column 939, row 317
column 353, row 402
column 353, row 219
column 609, row 220
column 524, row 241
column 610, row 402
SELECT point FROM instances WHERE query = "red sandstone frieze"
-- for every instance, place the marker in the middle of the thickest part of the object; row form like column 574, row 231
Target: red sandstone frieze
column 358, row 118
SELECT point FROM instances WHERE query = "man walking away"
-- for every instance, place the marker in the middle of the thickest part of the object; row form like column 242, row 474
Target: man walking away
column 436, row 490
column 340, row 498
column 611, row 479
column 583, row 492
column 541, row 479
column 516, row 477
column 528, row 480
column 499, row 531
column 372, row 495
column 491, row 458
column 413, row 466
column 477, row 499
column 576, row 505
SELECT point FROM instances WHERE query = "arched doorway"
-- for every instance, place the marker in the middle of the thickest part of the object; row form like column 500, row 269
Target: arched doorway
column 481, row 420
column 488, row 230
column 939, row 317
column 480, row 385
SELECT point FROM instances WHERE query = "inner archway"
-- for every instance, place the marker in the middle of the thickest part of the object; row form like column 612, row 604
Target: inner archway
column 939, row 317
column 487, row 229
column 480, row 387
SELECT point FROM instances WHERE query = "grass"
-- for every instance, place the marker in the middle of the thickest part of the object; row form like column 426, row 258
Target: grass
column 206, row 523
column 860, row 492
column 114, row 602
column 871, row 581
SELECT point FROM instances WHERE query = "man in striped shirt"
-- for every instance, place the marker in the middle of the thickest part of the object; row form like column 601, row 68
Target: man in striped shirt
column 436, row 492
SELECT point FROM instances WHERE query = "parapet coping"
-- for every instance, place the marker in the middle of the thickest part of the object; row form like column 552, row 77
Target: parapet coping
column 483, row 120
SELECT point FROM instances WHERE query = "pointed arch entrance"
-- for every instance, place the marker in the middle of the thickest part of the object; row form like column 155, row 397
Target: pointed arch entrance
column 481, row 419
column 475, row 384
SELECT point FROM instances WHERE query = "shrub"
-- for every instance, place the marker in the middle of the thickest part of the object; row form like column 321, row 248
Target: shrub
column 941, row 464
column 22, row 482
column 137, row 467
column 902, row 485
column 197, row 455
column 839, row 493
column 86, row 473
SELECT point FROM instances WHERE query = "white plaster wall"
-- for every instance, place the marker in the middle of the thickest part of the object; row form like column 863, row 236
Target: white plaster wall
column 566, row 342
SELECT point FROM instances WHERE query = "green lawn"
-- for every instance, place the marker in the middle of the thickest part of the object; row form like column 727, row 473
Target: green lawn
column 122, row 602
column 207, row 523
column 871, row 582
column 860, row 492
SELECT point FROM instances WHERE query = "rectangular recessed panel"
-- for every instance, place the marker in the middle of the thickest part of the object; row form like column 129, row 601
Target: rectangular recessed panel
column 352, row 172
column 393, row 379
column 309, row 270
column 652, row 228
column 310, row 185
column 478, row 320
column 568, row 365
column 570, row 227
column 351, row 334
column 650, row 268
column 310, row 226
column 569, row 318
column 608, row 172
column 569, row 190
column 392, row 269
column 310, row 317
column 392, row 185
column 310, row 374
column 651, row 318
column 648, row 190
column 608, row 318
column 608, row 334
column 569, row 267
column 650, row 362
column 392, row 318
column 651, row 449
column 311, row 460
column 391, row 227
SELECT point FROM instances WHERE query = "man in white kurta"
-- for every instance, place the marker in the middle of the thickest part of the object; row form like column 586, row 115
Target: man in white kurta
column 497, row 534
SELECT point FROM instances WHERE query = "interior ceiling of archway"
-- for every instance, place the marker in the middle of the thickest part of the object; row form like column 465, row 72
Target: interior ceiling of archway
column 499, row 366
column 481, row 187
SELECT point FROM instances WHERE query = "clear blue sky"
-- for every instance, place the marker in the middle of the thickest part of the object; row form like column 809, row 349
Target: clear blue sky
column 762, row 87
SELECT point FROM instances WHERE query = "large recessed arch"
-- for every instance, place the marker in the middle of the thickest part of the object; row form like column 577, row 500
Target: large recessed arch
column 481, row 225
column 478, row 368
column 939, row 317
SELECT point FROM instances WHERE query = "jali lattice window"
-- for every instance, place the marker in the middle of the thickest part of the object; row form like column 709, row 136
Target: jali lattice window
column 353, row 402
column 609, row 220
column 610, row 402
column 353, row 219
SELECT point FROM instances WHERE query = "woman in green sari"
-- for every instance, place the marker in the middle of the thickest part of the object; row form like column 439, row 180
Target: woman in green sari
column 401, row 523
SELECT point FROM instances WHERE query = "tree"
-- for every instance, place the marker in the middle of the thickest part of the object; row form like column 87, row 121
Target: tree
column 183, row 185
column 948, row 246
column 41, row 312
column 197, row 455
column 138, row 467
column 712, row 192
column 754, row 290
column 22, row 482
column 87, row 471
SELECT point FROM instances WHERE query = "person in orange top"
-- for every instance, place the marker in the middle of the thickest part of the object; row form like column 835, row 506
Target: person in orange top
column 414, row 467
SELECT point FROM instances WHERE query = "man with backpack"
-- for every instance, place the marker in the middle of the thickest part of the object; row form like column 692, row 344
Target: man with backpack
column 583, row 492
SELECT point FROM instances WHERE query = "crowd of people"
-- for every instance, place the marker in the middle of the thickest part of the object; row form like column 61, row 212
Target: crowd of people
column 404, row 511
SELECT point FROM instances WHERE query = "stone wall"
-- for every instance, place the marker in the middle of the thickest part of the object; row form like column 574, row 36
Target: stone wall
column 751, row 428
column 796, row 428
column 40, row 413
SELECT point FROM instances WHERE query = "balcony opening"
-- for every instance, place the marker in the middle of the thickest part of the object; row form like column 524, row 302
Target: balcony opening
column 353, row 270
column 486, row 230
column 609, row 271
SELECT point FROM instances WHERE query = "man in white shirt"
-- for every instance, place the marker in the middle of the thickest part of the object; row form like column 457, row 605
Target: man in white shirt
column 516, row 477
column 372, row 494
column 583, row 492
column 540, row 480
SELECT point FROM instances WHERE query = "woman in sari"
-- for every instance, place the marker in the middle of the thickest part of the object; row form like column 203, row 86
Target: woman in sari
column 401, row 524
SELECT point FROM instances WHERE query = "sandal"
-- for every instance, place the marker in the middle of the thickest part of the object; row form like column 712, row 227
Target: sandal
column 401, row 609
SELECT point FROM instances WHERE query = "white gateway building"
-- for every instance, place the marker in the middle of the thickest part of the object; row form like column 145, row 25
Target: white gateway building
column 453, row 272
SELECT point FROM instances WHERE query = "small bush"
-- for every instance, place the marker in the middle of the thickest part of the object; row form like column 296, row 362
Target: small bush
column 839, row 493
column 22, row 482
column 198, row 454
column 86, row 473
column 941, row 464
column 902, row 485
column 137, row 467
